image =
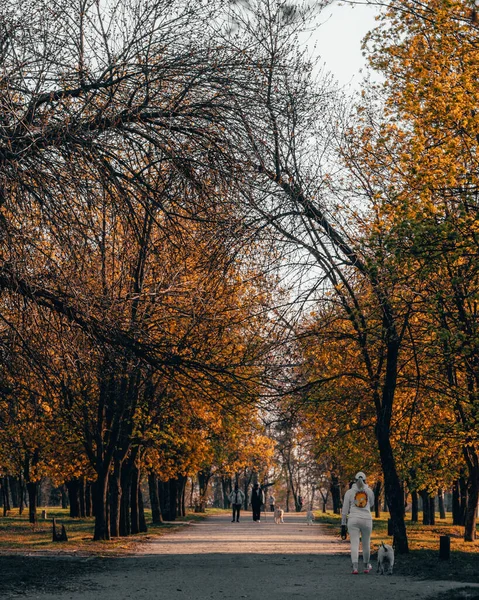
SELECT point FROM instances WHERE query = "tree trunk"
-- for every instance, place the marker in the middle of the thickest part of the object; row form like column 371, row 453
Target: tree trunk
column 173, row 485
column 81, row 497
column 426, row 519
column 164, row 488
column 22, row 495
column 414, row 507
column 125, row 514
column 456, row 504
column 463, row 498
column 203, row 482
column 32, row 501
column 141, row 510
column 432, row 510
column 73, row 487
column 226, row 488
column 392, row 486
column 180, row 502
column 115, row 498
column 154, row 498
column 88, row 500
column 13, row 481
column 64, row 496
column 472, row 495
column 101, row 507
column 134, row 505
column 335, row 493
column 377, row 499
column 440, row 497
column 6, row 496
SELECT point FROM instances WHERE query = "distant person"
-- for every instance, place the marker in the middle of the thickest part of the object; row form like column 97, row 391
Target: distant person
column 236, row 498
column 300, row 503
column 357, row 514
column 272, row 501
column 257, row 501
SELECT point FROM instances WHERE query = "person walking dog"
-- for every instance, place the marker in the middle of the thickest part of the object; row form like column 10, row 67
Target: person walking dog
column 257, row 501
column 356, row 513
column 236, row 498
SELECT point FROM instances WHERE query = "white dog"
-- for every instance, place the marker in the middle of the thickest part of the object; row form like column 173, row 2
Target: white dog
column 385, row 559
column 278, row 515
column 309, row 517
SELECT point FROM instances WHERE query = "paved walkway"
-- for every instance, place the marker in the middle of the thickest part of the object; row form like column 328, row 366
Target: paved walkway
column 220, row 560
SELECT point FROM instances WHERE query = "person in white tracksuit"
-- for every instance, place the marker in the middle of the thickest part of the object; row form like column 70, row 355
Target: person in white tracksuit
column 356, row 513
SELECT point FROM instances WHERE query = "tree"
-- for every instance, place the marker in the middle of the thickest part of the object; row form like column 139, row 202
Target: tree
column 286, row 126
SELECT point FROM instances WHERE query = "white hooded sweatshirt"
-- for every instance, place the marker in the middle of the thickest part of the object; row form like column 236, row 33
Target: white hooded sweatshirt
column 357, row 502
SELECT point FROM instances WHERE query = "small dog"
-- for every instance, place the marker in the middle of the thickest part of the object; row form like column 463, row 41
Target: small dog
column 385, row 559
column 278, row 515
column 309, row 517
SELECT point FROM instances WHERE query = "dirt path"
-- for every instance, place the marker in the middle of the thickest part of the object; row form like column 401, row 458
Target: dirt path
column 217, row 559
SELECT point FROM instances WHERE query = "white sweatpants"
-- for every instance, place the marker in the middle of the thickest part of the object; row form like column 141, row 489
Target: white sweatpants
column 360, row 528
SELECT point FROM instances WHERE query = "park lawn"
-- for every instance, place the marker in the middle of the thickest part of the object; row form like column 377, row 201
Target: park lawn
column 423, row 558
column 17, row 535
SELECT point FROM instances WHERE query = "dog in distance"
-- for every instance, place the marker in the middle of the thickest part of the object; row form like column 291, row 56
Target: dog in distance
column 385, row 559
column 278, row 515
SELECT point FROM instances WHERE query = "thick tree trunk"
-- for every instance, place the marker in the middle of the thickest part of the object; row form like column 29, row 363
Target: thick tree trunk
column 414, row 507
column 440, row 498
column 392, row 487
column 154, row 498
column 101, row 508
column 134, row 504
column 115, row 499
column 32, row 501
column 470, row 520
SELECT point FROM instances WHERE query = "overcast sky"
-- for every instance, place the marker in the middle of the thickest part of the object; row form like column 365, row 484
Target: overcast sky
column 338, row 40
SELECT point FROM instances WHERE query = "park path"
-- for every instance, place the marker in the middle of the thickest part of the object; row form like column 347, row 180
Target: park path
column 219, row 560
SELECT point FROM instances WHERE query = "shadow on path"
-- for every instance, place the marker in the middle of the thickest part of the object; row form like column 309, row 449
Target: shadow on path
column 220, row 560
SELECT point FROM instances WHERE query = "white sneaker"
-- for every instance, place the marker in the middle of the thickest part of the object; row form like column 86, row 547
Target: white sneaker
column 368, row 568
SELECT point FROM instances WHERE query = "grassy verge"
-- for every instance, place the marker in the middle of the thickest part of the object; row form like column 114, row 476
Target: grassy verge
column 18, row 536
column 423, row 558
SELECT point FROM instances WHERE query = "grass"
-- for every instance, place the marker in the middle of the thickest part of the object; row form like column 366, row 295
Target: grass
column 423, row 559
column 18, row 536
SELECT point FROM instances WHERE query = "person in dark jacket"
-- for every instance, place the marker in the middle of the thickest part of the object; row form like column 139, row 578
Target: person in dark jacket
column 257, row 501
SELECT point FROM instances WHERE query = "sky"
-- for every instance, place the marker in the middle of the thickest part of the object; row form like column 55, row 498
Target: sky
column 338, row 40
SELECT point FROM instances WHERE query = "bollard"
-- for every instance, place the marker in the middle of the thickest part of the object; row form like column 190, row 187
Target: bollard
column 444, row 547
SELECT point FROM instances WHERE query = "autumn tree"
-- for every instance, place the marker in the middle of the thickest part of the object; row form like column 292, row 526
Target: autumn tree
column 427, row 53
